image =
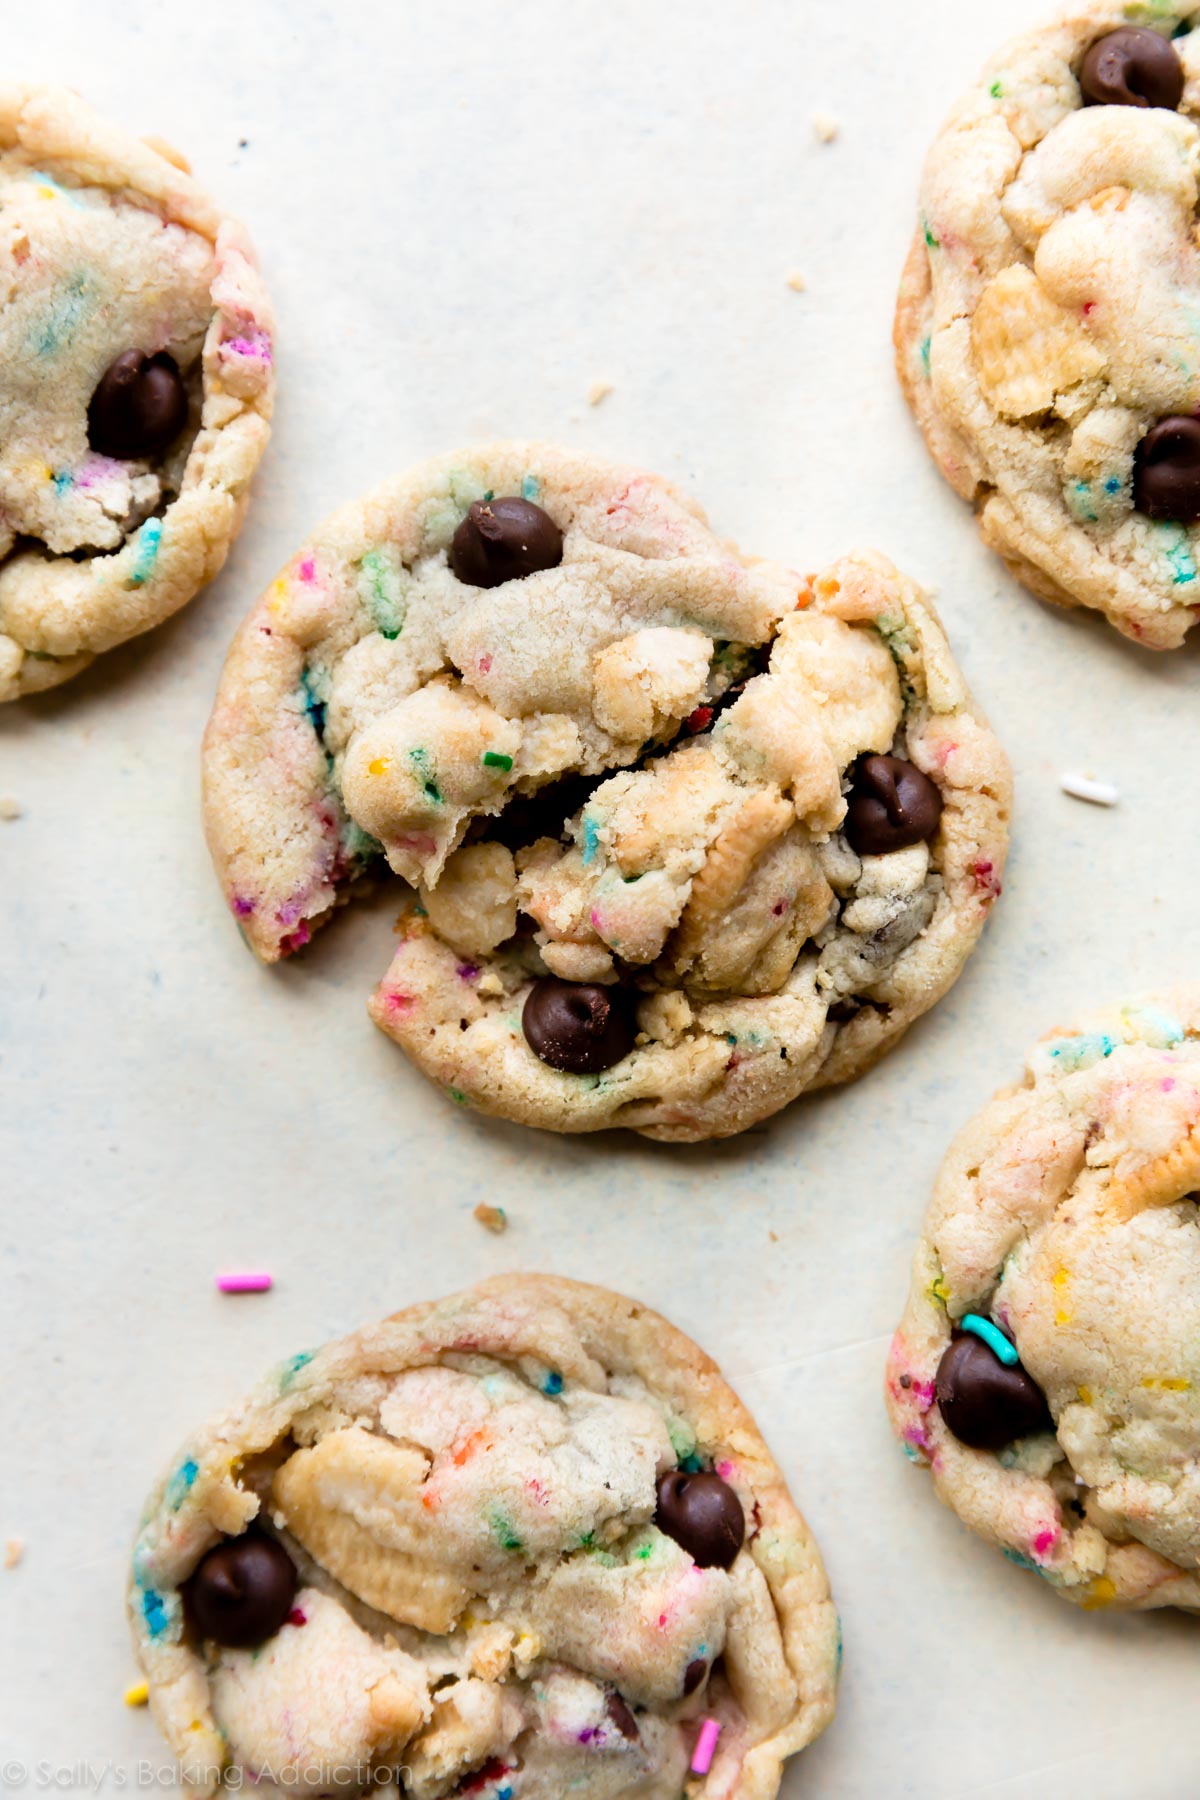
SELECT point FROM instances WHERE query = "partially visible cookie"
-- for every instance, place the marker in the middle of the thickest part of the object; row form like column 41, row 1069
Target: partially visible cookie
column 136, row 382
column 1048, row 326
column 1047, row 1368
column 524, row 1540
column 688, row 833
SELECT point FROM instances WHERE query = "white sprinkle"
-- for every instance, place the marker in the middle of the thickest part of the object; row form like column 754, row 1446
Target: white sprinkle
column 9, row 808
column 825, row 126
column 1082, row 787
column 599, row 390
column 796, row 281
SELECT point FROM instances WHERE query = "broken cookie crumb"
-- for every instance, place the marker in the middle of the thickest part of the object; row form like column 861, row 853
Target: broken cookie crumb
column 14, row 1550
column 599, row 390
column 825, row 126
column 796, row 281
column 492, row 1218
column 9, row 808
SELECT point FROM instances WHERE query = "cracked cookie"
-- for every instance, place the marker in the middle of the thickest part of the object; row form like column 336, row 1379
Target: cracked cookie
column 1048, row 327
column 687, row 833
column 523, row 1541
column 1047, row 1368
column 135, row 390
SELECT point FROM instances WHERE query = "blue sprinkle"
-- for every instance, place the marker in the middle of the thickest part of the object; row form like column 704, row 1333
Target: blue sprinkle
column 553, row 1383
column 591, row 839
column 838, row 1669
column 292, row 1368
column 147, row 542
column 1081, row 1052
column 62, row 482
column 180, row 1484
column 992, row 1337
column 1022, row 1562
column 691, row 1465
column 314, row 706
column 1113, row 485
column 154, row 1611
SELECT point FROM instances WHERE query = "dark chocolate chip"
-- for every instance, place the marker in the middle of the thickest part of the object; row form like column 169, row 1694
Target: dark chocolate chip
column 528, row 817
column 891, row 805
column 1166, row 470
column 502, row 540
column 139, row 407
column 985, row 1403
column 694, row 1675
column 1132, row 67
column 242, row 1590
column 622, row 1718
column 702, row 1513
column 578, row 1026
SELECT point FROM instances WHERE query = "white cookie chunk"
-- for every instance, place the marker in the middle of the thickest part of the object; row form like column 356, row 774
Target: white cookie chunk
column 136, row 384
column 616, row 760
column 1048, row 325
column 524, row 1538
column 1046, row 1366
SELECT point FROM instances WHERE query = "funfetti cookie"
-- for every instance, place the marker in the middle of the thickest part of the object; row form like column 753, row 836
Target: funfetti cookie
column 1048, row 329
column 135, row 386
column 687, row 833
column 1047, row 1368
column 523, row 1542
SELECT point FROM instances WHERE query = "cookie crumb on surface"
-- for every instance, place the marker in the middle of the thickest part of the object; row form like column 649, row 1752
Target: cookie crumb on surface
column 599, row 390
column 14, row 1550
column 492, row 1218
column 1084, row 787
column 9, row 808
column 825, row 126
column 796, row 281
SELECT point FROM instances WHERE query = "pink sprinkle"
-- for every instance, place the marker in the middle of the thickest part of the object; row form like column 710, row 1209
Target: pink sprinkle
column 395, row 1001
column 258, row 347
column 296, row 1617
column 468, row 971
column 485, row 663
column 242, row 907
column 1045, row 1541
column 419, row 842
column 725, row 1470
column 307, row 569
column 1167, row 1084
column 245, row 1281
column 706, row 1745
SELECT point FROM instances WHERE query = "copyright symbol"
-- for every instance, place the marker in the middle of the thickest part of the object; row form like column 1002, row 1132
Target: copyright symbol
column 13, row 1773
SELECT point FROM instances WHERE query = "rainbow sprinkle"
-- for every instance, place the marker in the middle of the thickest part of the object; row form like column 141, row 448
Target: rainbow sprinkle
column 706, row 1745
column 992, row 1336
column 245, row 1281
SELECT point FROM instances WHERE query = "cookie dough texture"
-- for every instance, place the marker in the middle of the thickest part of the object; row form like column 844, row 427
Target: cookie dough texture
column 485, row 1603
column 107, row 245
column 1050, row 314
column 373, row 706
column 1068, row 1213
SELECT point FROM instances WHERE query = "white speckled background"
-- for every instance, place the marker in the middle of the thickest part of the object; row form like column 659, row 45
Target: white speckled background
column 467, row 214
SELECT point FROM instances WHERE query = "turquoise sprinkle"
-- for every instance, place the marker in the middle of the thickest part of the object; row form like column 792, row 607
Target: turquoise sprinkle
column 926, row 349
column 553, row 1383
column 147, row 542
column 154, row 1611
column 992, row 1337
column 838, row 1669
column 691, row 1465
column 64, row 317
column 180, row 1484
column 1081, row 1052
column 531, row 487
column 292, row 1368
column 591, row 839
column 60, row 192
column 62, row 482
column 1113, row 485
column 1022, row 1562
column 1167, row 1031
column 1183, row 563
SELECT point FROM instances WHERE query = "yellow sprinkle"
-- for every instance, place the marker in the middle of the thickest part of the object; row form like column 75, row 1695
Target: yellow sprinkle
column 1101, row 1592
column 1064, row 1315
column 1174, row 1384
column 47, row 193
column 379, row 766
column 1085, row 1394
column 940, row 1291
column 137, row 1694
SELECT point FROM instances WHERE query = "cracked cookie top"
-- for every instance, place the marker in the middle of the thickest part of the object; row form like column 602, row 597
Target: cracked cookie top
column 1048, row 329
column 523, row 1541
column 1047, row 1367
column 688, row 834
column 135, row 389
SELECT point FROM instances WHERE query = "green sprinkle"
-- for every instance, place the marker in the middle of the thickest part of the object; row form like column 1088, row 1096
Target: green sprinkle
column 496, row 759
column 292, row 1368
column 992, row 1337
column 504, row 1531
column 996, row 91
column 458, row 1097
column 383, row 583
column 931, row 242
column 531, row 487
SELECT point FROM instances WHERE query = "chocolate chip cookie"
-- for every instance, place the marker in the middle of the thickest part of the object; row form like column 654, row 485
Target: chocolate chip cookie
column 1048, row 328
column 135, row 386
column 524, row 1541
column 688, row 834
column 1047, row 1368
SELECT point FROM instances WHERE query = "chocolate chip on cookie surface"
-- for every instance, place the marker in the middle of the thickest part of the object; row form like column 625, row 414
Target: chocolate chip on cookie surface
column 526, row 1533
column 1048, row 326
column 688, row 834
column 1046, row 1368
column 136, row 382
